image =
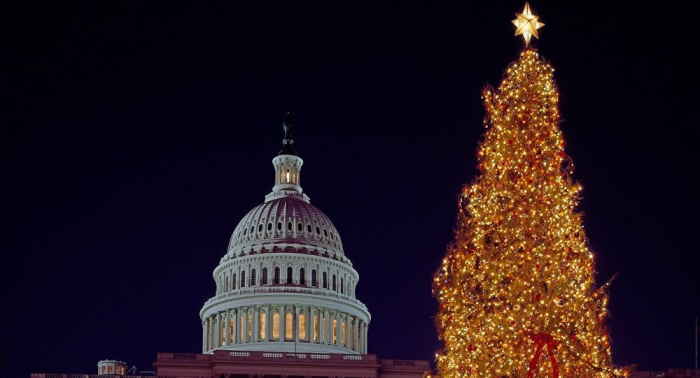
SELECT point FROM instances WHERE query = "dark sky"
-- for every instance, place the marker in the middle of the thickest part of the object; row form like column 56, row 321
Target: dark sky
column 135, row 136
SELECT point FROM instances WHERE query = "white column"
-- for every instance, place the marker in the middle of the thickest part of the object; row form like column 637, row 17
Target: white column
column 217, row 331
column 355, row 335
column 283, row 323
column 364, row 343
column 210, row 332
column 245, row 325
column 236, row 325
column 295, row 322
column 204, row 335
column 338, row 329
column 309, row 330
column 360, row 341
column 326, row 328
column 227, row 321
column 256, row 324
column 268, row 323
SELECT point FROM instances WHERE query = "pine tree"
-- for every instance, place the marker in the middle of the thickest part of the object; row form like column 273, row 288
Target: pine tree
column 516, row 289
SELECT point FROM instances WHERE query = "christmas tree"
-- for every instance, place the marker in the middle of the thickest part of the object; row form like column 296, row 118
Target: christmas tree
column 516, row 289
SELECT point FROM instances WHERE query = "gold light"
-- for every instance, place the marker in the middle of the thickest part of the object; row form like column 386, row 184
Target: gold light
column 526, row 24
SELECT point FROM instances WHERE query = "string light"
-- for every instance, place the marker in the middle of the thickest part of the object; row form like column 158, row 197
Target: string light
column 516, row 288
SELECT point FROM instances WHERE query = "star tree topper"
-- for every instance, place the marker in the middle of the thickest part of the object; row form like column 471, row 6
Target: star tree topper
column 526, row 24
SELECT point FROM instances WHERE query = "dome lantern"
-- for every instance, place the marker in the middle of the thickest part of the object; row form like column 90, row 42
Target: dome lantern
column 287, row 167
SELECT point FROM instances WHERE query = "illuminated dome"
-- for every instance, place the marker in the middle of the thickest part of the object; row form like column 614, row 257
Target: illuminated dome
column 289, row 220
column 285, row 284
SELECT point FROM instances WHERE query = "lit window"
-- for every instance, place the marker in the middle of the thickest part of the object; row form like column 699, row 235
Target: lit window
column 241, row 335
column 335, row 331
column 276, row 326
column 250, row 326
column 222, row 331
column 263, row 318
column 302, row 326
column 343, row 334
column 315, row 327
column 288, row 326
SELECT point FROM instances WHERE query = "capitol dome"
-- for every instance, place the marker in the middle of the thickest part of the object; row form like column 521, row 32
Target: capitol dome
column 285, row 284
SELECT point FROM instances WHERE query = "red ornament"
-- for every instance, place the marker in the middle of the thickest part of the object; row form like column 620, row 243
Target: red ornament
column 471, row 348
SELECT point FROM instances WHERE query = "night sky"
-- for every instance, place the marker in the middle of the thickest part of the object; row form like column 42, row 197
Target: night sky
column 135, row 136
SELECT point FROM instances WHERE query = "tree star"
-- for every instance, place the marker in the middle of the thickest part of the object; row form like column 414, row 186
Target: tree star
column 526, row 24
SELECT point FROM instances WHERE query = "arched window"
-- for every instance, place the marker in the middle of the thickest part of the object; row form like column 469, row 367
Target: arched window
column 333, row 278
column 252, row 277
column 325, row 280
column 233, row 282
column 342, row 287
column 277, row 275
column 302, row 276
column 288, row 326
column 264, row 277
column 290, row 271
column 314, row 280
column 242, row 279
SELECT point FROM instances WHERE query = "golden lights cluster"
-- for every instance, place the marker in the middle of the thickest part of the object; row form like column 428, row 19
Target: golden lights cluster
column 519, row 271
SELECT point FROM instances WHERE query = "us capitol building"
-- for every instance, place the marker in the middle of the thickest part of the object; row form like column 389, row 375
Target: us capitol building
column 284, row 305
column 285, row 284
